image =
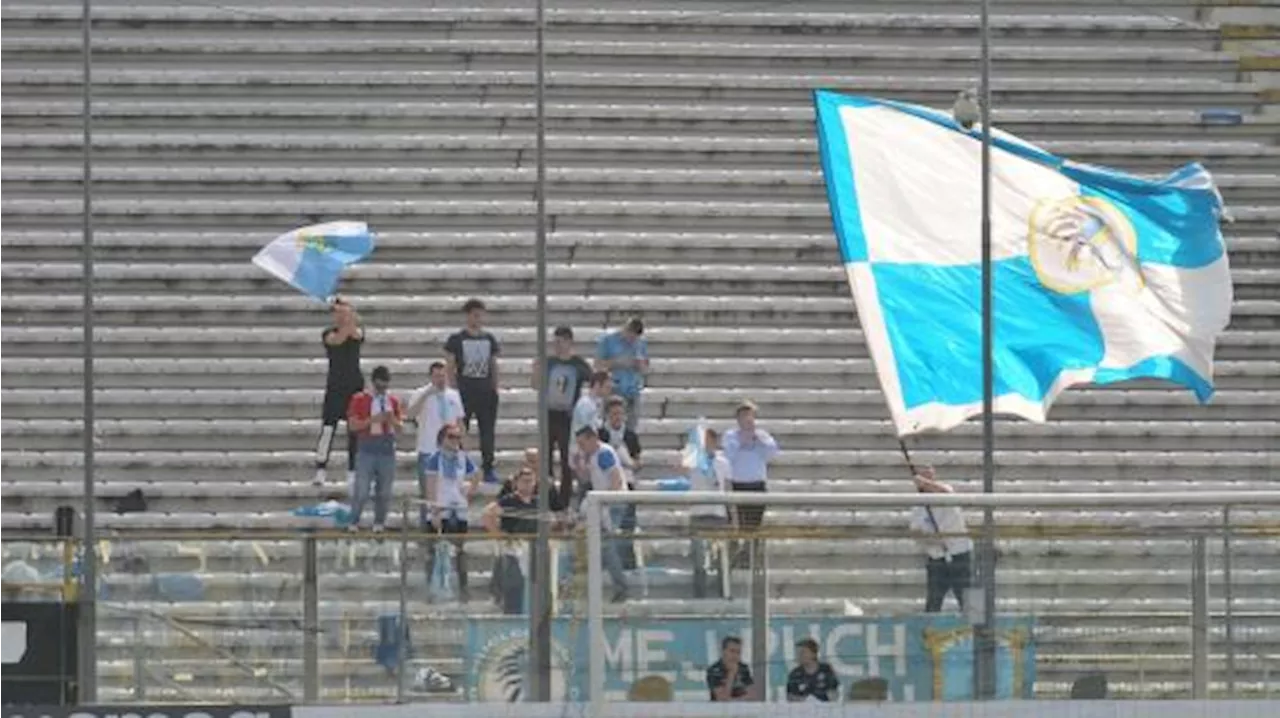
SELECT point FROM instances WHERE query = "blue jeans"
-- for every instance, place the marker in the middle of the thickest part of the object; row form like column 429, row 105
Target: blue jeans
column 610, row 555
column 375, row 474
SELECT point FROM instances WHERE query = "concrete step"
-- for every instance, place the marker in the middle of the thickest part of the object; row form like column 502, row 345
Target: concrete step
column 659, row 403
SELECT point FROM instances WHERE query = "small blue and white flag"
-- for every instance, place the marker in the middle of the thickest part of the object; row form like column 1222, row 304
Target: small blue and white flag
column 1097, row 276
column 311, row 259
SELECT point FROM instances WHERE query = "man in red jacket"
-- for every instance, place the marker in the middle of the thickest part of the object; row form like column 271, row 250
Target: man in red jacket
column 375, row 417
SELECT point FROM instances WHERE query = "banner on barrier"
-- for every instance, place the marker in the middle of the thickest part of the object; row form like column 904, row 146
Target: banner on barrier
column 149, row 711
column 922, row 658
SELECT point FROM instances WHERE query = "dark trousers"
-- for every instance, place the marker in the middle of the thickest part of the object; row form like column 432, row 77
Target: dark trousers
column 749, row 519
column 943, row 576
column 509, row 585
column 451, row 524
column 558, row 425
column 626, row 538
column 481, row 401
column 335, row 410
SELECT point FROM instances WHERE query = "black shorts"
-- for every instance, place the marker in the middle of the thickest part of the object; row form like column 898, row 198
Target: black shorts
column 336, row 400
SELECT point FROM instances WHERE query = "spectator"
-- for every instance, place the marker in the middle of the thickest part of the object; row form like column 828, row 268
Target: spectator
column 729, row 679
column 589, row 411
column 947, row 557
column 624, row 353
column 342, row 343
column 713, row 476
column 626, row 444
column 375, row 416
column 749, row 450
column 448, row 481
column 604, row 473
column 811, row 679
column 471, row 355
column 514, row 514
column 566, row 375
column 433, row 406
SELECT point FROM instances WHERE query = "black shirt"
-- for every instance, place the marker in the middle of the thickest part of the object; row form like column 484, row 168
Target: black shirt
column 822, row 684
column 717, row 674
column 473, row 356
column 518, row 516
column 344, row 361
column 565, row 379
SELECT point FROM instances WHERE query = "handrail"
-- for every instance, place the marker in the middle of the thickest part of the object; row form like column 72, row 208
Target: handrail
column 236, row 661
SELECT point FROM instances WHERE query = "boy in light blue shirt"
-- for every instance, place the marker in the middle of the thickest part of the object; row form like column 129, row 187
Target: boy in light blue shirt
column 624, row 353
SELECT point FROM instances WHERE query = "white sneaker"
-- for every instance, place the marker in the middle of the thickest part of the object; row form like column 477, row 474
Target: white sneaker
column 320, row 477
column 378, row 528
column 430, row 680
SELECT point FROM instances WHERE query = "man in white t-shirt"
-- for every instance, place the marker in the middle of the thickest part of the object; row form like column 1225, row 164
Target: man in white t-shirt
column 947, row 556
column 432, row 406
column 603, row 472
column 712, row 474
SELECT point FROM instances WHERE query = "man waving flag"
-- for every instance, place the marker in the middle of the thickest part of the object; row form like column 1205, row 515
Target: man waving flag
column 1097, row 276
column 311, row 259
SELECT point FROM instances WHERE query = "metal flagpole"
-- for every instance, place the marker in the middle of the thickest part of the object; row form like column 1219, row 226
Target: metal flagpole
column 984, row 646
column 86, row 635
column 540, row 608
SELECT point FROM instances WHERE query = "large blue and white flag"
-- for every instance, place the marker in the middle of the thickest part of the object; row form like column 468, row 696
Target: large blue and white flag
column 311, row 259
column 1098, row 276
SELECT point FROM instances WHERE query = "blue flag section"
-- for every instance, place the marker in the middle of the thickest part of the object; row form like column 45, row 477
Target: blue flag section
column 1098, row 276
column 923, row 658
column 311, row 259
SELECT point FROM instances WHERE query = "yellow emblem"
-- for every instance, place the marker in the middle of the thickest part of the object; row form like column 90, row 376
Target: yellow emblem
column 307, row 240
column 1077, row 244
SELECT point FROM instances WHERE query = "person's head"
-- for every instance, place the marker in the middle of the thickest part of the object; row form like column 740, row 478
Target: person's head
column 588, row 440
column 807, row 652
column 437, row 374
column 474, row 313
column 343, row 312
column 615, row 412
column 450, row 437
column 562, row 341
column 381, row 378
column 731, row 650
column 712, row 439
column 600, row 384
column 523, row 482
column 746, row 415
column 530, row 458
column 926, row 480
column 633, row 329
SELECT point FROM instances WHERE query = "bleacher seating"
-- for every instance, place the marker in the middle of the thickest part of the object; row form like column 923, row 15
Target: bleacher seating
column 684, row 185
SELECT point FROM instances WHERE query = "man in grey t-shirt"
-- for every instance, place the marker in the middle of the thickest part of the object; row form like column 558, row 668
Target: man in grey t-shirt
column 564, row 378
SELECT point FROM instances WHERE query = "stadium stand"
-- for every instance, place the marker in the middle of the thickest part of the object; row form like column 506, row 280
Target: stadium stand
column 684, row 186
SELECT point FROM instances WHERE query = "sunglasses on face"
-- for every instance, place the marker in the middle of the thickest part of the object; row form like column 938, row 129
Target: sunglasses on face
column 455, row 437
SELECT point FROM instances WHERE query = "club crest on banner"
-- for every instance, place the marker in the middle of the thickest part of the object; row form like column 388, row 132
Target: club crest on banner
column 1077, row 244
column 502, row 667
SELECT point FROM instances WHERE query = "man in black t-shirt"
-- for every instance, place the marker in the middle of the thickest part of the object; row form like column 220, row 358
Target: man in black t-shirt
column 811, row 679
column 472, row 358
column 729, row 679
column 342, row 343
column 515, row 513
column 564, row 378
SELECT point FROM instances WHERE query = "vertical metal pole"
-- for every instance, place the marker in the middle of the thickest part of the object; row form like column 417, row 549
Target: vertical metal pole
column 1199, row 619
column 1228, row 598
column 595, row 603
column 402, row 631
column 89, row 557
column 760, row 617
column 540, row 595
column 984, row 674
column 310, row 622
column 139, row 661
